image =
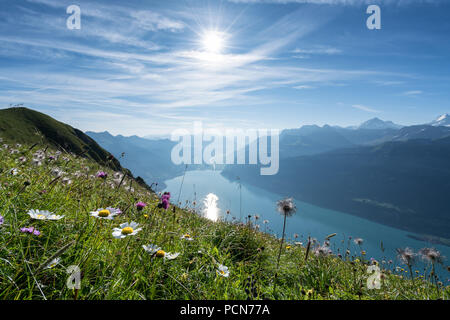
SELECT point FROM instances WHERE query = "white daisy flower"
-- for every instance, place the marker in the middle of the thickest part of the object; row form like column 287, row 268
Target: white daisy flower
column 57, row 172
column 187, row 237
column 108, row 213
column 126, row 229
column 223, row 271
column 159, row 253
column 170, row 256
column 66, row 181
column 118, row 175
column 14, row 171
column 151, row 248
column 43, row 215
column 36, row 162
column 53, row 263
column 77, row 174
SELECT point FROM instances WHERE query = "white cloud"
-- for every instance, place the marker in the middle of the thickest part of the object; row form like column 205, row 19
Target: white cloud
column 319, row 50
column 388, row 82
column 364, row 108
column 304, row 87
column 412, row 93
column 153, row 21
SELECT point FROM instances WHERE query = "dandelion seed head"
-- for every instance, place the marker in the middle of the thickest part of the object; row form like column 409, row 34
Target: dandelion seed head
column 322, row 251
column 432, row 255
column 406, row 256
column 286, row 207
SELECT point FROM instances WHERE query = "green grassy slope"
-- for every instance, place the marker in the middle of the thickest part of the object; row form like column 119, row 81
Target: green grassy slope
column 121, row 269
column 23, row 125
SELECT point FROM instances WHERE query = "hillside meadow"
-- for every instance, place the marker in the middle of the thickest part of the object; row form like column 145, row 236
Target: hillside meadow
column 60, row 211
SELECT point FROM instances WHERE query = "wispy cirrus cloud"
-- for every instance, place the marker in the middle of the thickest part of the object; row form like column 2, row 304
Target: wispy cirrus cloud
column 302, row 53
column 412, row 93
column 146, row 64
column 302, row 87
column 149, row 20
column 318, row 50
column 178, row 78
column 365, row 108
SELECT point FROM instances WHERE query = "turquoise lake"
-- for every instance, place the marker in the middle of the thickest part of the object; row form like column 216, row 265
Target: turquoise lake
column 310, row 220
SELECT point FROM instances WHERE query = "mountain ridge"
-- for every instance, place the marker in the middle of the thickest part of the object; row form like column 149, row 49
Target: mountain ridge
column 20, row 124
column 24, row 125
column 442, row 120
column 376, row 123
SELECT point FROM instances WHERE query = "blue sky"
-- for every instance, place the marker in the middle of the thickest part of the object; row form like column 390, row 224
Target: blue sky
column 149, row 67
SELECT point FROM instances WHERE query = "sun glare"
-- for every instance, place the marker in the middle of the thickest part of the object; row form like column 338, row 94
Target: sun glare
column 213, row 41
column 211, row 210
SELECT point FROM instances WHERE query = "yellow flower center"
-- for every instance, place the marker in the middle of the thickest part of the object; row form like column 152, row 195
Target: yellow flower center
column 40, row 216
column 127, row 230
column 187, row 235
column 160, row 253
column 146, row 216
column 104, row 213
column 222, row 272
column 288, row 247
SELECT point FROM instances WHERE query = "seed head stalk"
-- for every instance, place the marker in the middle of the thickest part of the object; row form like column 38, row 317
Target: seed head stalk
column 286, row 207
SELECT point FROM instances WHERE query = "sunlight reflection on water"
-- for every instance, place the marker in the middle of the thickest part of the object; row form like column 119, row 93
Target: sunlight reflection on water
column 211, row 210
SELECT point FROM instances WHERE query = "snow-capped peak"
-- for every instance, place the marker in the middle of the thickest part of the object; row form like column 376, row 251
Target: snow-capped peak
column 443, row 120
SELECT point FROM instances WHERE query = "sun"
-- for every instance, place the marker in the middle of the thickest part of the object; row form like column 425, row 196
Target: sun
column 213, row 41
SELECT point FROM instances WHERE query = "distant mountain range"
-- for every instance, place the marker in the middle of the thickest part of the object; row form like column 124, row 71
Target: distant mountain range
column 148, row 158
column 312, row 139
column 395, row 176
